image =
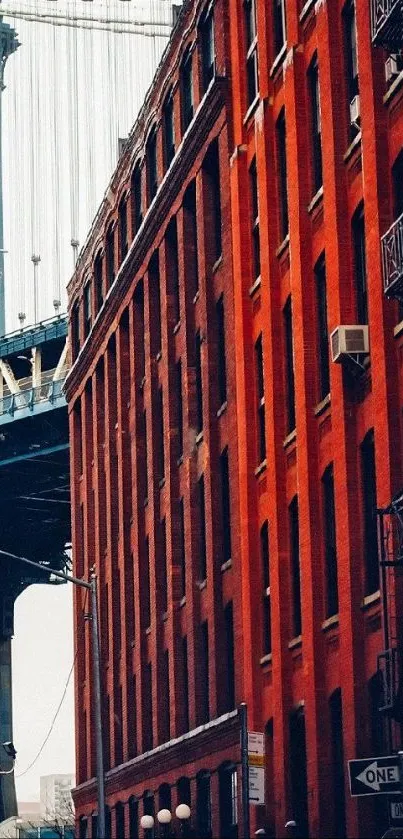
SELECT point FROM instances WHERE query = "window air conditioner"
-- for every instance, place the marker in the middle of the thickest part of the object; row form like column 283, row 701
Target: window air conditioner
column 348, row 341
column 355, row 111
column 391, row 68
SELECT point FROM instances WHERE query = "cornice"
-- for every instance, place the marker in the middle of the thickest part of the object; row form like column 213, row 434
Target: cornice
column 195, row 137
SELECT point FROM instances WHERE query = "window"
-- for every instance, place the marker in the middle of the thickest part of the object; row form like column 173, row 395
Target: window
column 279, row 25
column 186, row 80
column 138, row 313
column 282, row 173
column 169, row 130
column 261, row 430
column 152, row 173
column 199, row 388
column 178, row 371
column 298, row 770
column 184, row 791
column 159, row 447
column 164, row 569
column 228, row 801
column 164, row 797
column 147, row 718
column 360, row 265
column 202, row 529
column 211, row 169
column 264, row 558
column 338, row 794
column 313, row 81
column 185, row 689
column 110, row 256
column 203, row 805
column 123, row 243
column 255, row 219
column 295, row 567
column 137, row 217
column 368, row 477
column 133, row 818
column 165, row 716
column 203, row 673
column 120, row 820
column 222, row 368
column 229, row 647
column 87, row 309
column 155, row 303
column 323, row 335
column 329, row 527
column 75, row 330
column 98, row 281
column 145, row 581
column 182, row 551
column 172, row 266
column 206, row 39
column 289, row 366
column 226, row 506
column 351, row 62
column 190, row 238
column 397, row 179
column 251, row 50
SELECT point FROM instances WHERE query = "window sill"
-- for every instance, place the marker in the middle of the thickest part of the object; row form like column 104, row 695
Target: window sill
column 145, row 502
column 283, row 247
column 226, row 565
column 177, row 327
column 295, row 642
column 182, row 602
column 307, row 7
column 180, row 460
column 291, row 438
column 330, row 623
column 320, row 408
column 199, row 438
column 164, row 617
column 142, row 383
column 317, row 199
column 398, row 329
column 261, row 468
column 148, row 630
column 158, row 356
column 278, row 61
column 256, row 285
column 266, row 659
column 196, row 297
column 222, row 409
column 217, row 264
column 355, row 144
column 251, row 110
column 161, row 483
column 370, row 600
column 394, row 87
column 202, row 584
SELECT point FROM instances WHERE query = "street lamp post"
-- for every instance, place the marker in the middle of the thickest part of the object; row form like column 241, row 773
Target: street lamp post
column 92, row 587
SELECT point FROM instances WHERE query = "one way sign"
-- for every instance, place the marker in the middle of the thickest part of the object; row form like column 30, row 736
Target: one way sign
column 374, row 776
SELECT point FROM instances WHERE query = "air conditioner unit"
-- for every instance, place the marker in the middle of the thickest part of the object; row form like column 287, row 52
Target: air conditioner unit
column 391, row 68
column 355, row 111
column 347, row 341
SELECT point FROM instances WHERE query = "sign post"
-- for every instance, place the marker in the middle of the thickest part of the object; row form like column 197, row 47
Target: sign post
column 375, row 776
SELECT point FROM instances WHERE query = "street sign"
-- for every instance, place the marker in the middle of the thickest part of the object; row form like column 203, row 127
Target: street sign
column 374, row 776
column 256, row 767
column 396, row 811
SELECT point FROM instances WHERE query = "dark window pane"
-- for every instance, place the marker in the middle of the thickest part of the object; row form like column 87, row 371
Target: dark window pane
column 136, row 200
column 123, row 244
column 199, row 389
column 329, row 525
column 169, row 131
column 207, row 49
column 211, row 167
column 98, row 282
column 279, row 25
column 110, row 257
column 187, row 91
column 229, row 644
column 261, row 418
column 152, row 173
column 289, row 353
column 202, row 529
column 313, row 78
column 323, row 335
column 179, row 407
column 295, row 567
column 190, row 238
column 221, row 361
column 282, row 174
column 226, row 506
column 369, row 510
column 360, row 266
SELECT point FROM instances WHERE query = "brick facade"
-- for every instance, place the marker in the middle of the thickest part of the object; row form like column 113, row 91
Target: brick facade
column 204, row 371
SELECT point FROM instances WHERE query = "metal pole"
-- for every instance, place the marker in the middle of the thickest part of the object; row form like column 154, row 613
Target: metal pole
column 98, row 710
column 243, row 715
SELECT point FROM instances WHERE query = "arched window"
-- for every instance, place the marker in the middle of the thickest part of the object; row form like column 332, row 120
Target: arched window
column 133, row 818
column 120, row 820
column 184, row 795
column 203, row 805
column 228, row 801
column 186, row 87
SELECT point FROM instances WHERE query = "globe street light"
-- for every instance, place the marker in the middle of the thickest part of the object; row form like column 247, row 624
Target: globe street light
column 183, row 813
column 147, row 823
column 164, row 818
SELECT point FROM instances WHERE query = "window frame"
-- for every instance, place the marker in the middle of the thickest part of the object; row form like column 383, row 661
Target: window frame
column 207, row 47
column 187, row 89
column 152, row 165
column 168, row 130
column 252, row 69
column 316, row 124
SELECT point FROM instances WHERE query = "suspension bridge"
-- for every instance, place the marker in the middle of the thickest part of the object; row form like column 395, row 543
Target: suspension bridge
column 77, row 76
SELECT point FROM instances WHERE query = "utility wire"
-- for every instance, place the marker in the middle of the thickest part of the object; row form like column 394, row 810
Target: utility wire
column 21, row 774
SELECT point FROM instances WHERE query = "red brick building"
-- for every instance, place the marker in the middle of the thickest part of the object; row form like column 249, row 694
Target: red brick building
column 225, row 471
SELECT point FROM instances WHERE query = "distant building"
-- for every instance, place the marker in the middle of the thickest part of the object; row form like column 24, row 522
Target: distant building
column 55, row 794
column 29, row 810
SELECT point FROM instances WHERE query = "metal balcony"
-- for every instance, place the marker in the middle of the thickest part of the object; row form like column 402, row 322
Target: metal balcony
column 387, row 24
column 392, row 260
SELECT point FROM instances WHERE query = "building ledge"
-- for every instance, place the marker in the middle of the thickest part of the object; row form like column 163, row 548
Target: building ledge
column 291, row 438
column 398, row 329
column 278, row 61
column 354, row 145
column 295, row 642
column 226, row 565
column 255, row 286
column 309, row 6
column 370, row 600
column 330, row 623
column 261, row 468
column 222, row 409
column 393, row 89
column 283, row 246
column 320, row 408
column 251, row 110
column 316, row 200
column 266, row 659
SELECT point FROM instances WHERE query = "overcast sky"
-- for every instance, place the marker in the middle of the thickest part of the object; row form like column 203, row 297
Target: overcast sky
column 42, row 658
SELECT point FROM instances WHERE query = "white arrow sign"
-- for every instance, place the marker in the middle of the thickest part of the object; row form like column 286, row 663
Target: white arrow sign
column 373, row 776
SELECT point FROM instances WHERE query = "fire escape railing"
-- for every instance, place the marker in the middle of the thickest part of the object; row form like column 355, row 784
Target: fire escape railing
column 392, row 259
column 387, row 23
column 48, row 392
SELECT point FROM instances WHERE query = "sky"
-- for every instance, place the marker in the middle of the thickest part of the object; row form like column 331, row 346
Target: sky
column 42, row 655
column 58, row 157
